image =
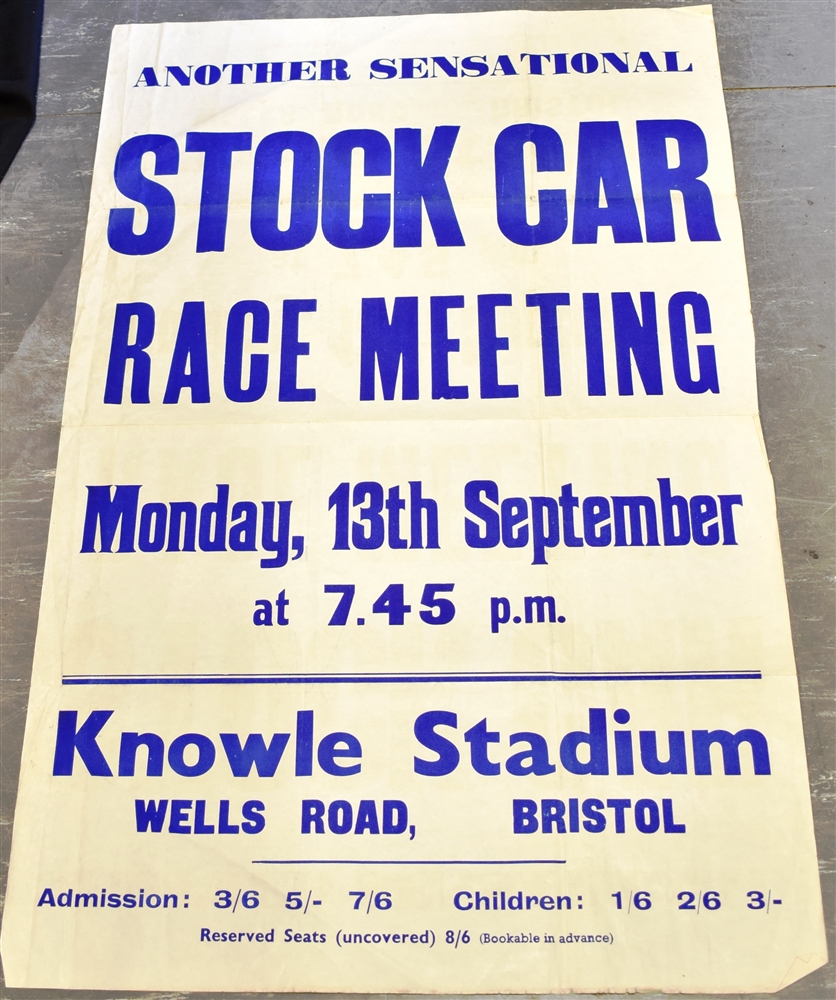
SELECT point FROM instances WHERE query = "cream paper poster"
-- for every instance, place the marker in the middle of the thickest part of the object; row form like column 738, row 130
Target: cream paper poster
column 413, row 615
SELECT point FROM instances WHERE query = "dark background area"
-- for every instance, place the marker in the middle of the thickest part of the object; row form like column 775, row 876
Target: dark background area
column 20, row 46
column 777, row 58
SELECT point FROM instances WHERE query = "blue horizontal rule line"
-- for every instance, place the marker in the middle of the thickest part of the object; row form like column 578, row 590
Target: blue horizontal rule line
column 122, row 679
column 549, row 861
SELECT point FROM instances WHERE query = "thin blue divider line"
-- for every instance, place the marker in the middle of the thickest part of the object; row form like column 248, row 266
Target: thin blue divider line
column 549, row 861
column 406, row 678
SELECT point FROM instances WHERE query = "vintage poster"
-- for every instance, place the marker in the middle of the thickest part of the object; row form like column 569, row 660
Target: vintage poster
column 413, row 615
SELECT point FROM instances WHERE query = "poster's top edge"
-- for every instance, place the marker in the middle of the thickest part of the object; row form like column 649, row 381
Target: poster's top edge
column 699, row 10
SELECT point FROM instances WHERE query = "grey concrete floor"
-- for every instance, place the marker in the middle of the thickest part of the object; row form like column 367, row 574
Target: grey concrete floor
column 779, row 71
